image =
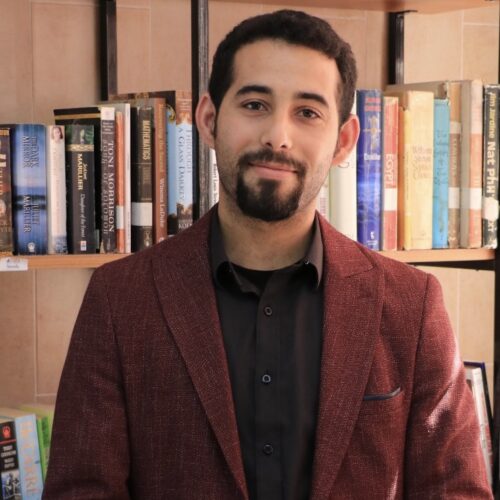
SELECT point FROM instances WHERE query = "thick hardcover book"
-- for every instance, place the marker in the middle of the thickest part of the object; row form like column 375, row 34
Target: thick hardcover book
column 56, row 190
column 10, row 484
column 471, row 179
column 107, row 221
column 441, row 173
column 142, row 177
column 80, row 178
column 390, row 174
column 6, row 240
column 491, row 161
column 474, row 379
column 30, row 469
column 343, row 204
column 29, row 189
column 416, row 152
column 369, row 167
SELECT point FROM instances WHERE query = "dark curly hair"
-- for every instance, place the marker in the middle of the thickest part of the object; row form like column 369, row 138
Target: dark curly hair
column 293, row 27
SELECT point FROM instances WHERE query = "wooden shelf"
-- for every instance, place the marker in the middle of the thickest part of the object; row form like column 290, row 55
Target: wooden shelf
column 421, row 6
column 93, row 261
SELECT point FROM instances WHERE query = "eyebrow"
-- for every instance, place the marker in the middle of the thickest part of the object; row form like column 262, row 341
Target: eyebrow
column 263, row 89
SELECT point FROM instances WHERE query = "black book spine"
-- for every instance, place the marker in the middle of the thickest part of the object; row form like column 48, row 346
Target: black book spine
column 10, row 484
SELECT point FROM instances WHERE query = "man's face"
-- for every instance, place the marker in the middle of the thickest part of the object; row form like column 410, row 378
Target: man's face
column 277, row 129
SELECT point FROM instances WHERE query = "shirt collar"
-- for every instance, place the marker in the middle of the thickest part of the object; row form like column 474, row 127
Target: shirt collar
column 221, row 264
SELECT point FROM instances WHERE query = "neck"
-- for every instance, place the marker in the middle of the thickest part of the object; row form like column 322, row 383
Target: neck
column 260, row 245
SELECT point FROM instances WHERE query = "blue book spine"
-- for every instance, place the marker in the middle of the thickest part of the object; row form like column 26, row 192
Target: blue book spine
column 28, row 450
column 29, row 189
column 441, row 172
column 369, row 167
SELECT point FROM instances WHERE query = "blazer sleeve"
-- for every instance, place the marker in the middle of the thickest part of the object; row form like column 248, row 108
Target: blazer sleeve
column 89, row 455
column 444, row 458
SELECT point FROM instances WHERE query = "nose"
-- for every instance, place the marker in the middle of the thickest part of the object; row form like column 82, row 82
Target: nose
column 276, row 134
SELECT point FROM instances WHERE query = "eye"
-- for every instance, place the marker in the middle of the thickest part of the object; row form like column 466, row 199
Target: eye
column 309, row 113
column 254, row 106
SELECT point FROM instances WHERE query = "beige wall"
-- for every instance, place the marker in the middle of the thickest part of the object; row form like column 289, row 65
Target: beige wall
column 50, row 53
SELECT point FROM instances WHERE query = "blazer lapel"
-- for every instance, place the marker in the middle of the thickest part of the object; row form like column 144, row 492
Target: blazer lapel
column 183, row 279
column 353, row 295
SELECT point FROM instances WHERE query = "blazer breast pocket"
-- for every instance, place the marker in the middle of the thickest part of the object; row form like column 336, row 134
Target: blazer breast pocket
column 382, row 404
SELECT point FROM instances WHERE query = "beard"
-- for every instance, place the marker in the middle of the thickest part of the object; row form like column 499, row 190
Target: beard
column 264, row 201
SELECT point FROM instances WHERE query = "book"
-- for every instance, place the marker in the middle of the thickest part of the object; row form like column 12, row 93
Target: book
column 323, row 201
column 213, row 194
column 107, row 220
column 491, row 161
column 56, row 191
column 471, row 164
column 6, row 240
column 474, row 378
column 343, row 202
column 369, row 167
column 390, row 173
column 440, row 173
column 415, row 156
column 30, row 470
column 10, row 480
column 80, row 176
column 450, row 90
column 29, row 189
column 141, row 174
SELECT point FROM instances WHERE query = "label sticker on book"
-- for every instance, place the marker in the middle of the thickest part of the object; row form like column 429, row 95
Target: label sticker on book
column 13, row 264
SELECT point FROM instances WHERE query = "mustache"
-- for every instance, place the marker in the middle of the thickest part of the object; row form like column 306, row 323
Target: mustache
column 268, row 156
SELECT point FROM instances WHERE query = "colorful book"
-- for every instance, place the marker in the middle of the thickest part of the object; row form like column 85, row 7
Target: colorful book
column 471, row 167
column 30, row 470
column 343, row 204
column 6, row 239
column 29, row 189
column 491, row 159
column 390, row 173
column 369, row 167
column 440, row 173
column 10, row 480
column 80, row 175
column 142, row 180
column 56, row 191
column 415, row 184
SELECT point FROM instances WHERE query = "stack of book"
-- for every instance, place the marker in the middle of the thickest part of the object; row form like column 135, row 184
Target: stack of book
column 116, row 177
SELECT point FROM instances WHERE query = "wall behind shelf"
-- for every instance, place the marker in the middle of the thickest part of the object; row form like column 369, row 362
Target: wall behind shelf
column 50, row 50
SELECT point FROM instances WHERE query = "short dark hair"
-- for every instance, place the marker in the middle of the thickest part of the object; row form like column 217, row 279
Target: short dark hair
column 296, row 28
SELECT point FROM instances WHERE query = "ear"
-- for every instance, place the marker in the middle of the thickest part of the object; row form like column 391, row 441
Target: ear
column 205, row 116
column 348, row 137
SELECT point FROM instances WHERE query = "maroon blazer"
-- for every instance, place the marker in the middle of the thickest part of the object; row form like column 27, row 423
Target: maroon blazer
column 145, row 410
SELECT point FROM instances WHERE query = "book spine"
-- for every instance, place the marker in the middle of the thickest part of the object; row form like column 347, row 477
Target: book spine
column 80, row 177
column 120, row 183
column 418, row 152
column 213, row 194
column 29, row 189
column 323, row 200
column 10, row 481
column 6, row 240
column 454, row 95
column 142, row 181
column 127, row 211
column 108, row 181
column 56, row 191
column 369, row 167
column 491, row 162
column 172, row 222
column 29, row 457
column 160, row 173
column 390, row 169
column 440, row 173
column 472, row 159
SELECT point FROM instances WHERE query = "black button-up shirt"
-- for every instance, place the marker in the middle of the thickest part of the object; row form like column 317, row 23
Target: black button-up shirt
column 272, row 328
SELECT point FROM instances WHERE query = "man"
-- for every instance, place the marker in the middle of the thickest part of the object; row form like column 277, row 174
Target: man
column 261, row 354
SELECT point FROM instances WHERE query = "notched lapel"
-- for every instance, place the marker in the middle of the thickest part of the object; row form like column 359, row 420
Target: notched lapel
column 184, row 283
column 353, row 294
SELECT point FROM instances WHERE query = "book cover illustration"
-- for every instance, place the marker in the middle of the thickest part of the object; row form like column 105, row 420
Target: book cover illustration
column 6, row 241
column 10, row 480
column 369, row 167
column 29, row 189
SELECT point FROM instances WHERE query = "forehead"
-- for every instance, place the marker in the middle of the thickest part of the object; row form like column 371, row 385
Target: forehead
column 283, row 66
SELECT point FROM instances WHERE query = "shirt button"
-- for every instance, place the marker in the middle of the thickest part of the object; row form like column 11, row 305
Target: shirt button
column 268, row 311
column 266, row 379
column 268, row 449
